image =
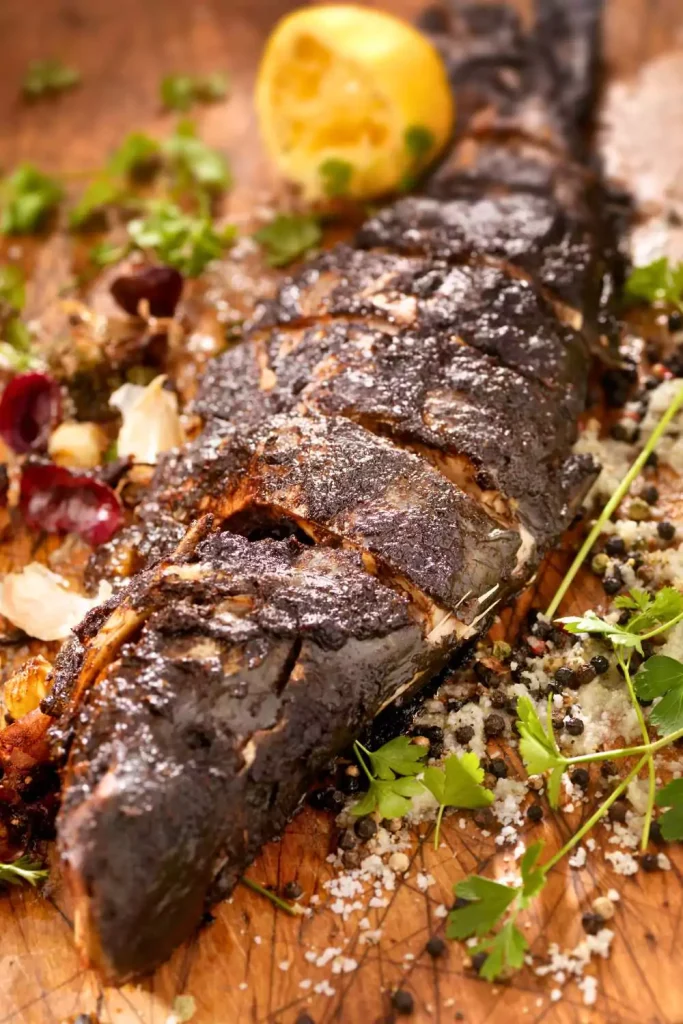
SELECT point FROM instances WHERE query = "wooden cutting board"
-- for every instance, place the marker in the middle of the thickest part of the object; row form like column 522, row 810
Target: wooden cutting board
column 235, row 969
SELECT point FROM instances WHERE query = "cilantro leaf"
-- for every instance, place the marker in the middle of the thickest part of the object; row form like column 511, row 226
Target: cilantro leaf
column 671, row 822
column 662, row 677
column 180, row 92
column 487, row 902
column 594, row 625
column 537, row 745
column 193, row 162
column 28, row 197
column 392, row 798
column 22, row 870
column 458, row 784
column 48, row 77
column 659, row 281
column 180, row 239
column 336, row 176
column 505, row 950
column 288, row 237
column 399, row 756
column 533, row 877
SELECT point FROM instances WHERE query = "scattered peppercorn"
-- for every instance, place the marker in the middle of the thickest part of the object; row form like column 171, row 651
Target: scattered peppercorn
column 666, row 530
column 402, row 1001
column 615, row 546
column 366, row 828
column 565, row 677
column 653, row 459
column 558, row 720
column 463, row 734
column 656, row 833
column 608, row 769
column 619, row 432
column 478, row 961
column 292, row 891
column 327, row 799
column 639, row 510
column 675, row 321
column 494, row 725
column 351, row 859
column 436, row 947
column 350, row 780
column 501, row 650
column 600, row 663
column 580, row 778
column 650, row 494
column 535, row 813
column 584, row 674
column 600, row 563
column 613, row 583
column 618, row 811
column 304, row 1018
column 347, row 840
column 592, row 923
column 498, row 700
column 483, row 817
column 498, row 767
column 649, row 862
column 542, row 629
column 574, row 726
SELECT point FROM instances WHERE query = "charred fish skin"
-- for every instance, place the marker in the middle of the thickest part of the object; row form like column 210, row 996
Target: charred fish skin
column 401, row 421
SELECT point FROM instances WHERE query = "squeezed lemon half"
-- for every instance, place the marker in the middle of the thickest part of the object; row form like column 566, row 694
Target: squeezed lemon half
column 351, row 99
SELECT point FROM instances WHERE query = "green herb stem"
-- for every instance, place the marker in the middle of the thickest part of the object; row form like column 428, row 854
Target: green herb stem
column 595, row 818
column 437, row 830
column 625, row 666
column 262, row 891
column 613, row 755
column 674, row 406
column 361, row 760
column 663, row 628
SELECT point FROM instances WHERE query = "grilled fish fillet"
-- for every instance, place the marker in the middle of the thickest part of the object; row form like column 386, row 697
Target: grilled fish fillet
column 383, row 462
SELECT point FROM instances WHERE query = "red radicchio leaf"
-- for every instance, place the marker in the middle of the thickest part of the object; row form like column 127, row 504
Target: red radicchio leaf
column 159, row 286
column 30, row 407
column 58, row 501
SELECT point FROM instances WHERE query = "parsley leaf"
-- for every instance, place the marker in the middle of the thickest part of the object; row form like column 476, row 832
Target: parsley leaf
column 104, row 253
column 180, row 92
column 22, row 870
column 48, row 77
column 101, row 192
column 533, row 877
column 28, row 197
column 136, row 153
column 195, row 163
column 506, row 949
column 487, row 901
column 399, row 756
column 182, row 240
column 659, row 281
column 671, row 822
column 457, row 784
column 537, row 744
column 594, row 625
column 12, row 288
column 336, row 177
column 392, row 798
column 288, row 237
column 662, row 677
column 655, row 611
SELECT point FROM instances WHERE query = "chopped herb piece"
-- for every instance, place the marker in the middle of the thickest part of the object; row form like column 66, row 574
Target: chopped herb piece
column 104, row 253
column 397, row 757
column 195, row 163
column 659, row 281
column 537, row 744
column 12, row 287
column 533, row 877
column 179, row 92
column 336, row 177
column 671, row 822
column 288, row 237
column 48, row 77
column 390, row 795
column 487, row 901
column 506, row 949
column 28, row 197
column 652, row 611
column 592, row 624
column 180, row 239
column 392, row 799
column 457, row 784
column 22, row 870
column 136, row 152
column 662, row 677
column 419, row 143
column 103, row 191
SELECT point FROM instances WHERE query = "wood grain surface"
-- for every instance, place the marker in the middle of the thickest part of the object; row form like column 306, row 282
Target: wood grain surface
column 234, row 967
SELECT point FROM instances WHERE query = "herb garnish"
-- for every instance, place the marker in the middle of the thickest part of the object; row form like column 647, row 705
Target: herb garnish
column 192, row 163
column 289, row 908
column 419, row 144
column 391, row 774
column 15, row 343
column 22, row 870
column 457, row 784
column 48, row 77
column 27, row 198
column 180, row 92
column 659, row 281
column 335, row 175
column 185, row 241
column 288, row 236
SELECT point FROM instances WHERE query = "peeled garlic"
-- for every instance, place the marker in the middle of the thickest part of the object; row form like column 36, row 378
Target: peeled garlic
column 77, row 444
column 151, row 422
column 42, row 604
column 25, row 689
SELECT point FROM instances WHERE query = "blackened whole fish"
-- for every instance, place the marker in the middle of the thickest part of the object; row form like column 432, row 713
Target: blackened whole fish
column 383, row 462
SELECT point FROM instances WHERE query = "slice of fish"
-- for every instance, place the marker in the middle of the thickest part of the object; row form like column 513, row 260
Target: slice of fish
column 381, row 465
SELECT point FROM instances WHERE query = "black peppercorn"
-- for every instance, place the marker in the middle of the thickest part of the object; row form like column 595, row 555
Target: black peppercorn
column 608, row 769
column 600, row 664
column 615, row 546
column 580, row 778
column 494, row 725
column 666, row 530
column 498, row 767
column 656, row 833
column 542, row 629
column 618, row 811
column 436, row 947
column 650, row 494
column 612, row 584
column 565, row 677
column 574, row 726
column 402, row 1001
column 349, row 780
column 483, row 818
column 304, row 1018
column 464, row 734
column 592, row 923
column 292, row 891
column 347, row 840
column 675, row 321
column 366, row 828
column 584, row 674
column 498, row 700
column 535, row 813
column 460, row 902
column 649, row 862
column 478, row 961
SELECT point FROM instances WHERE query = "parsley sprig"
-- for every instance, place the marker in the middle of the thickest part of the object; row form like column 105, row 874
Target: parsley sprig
column 27, row 198
column 23, row 870
column 391, row 772
column 180, row 92
column 288, row 237
column 48, row 77
column 457, row 784
column 15, row 339
column 659, row 281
